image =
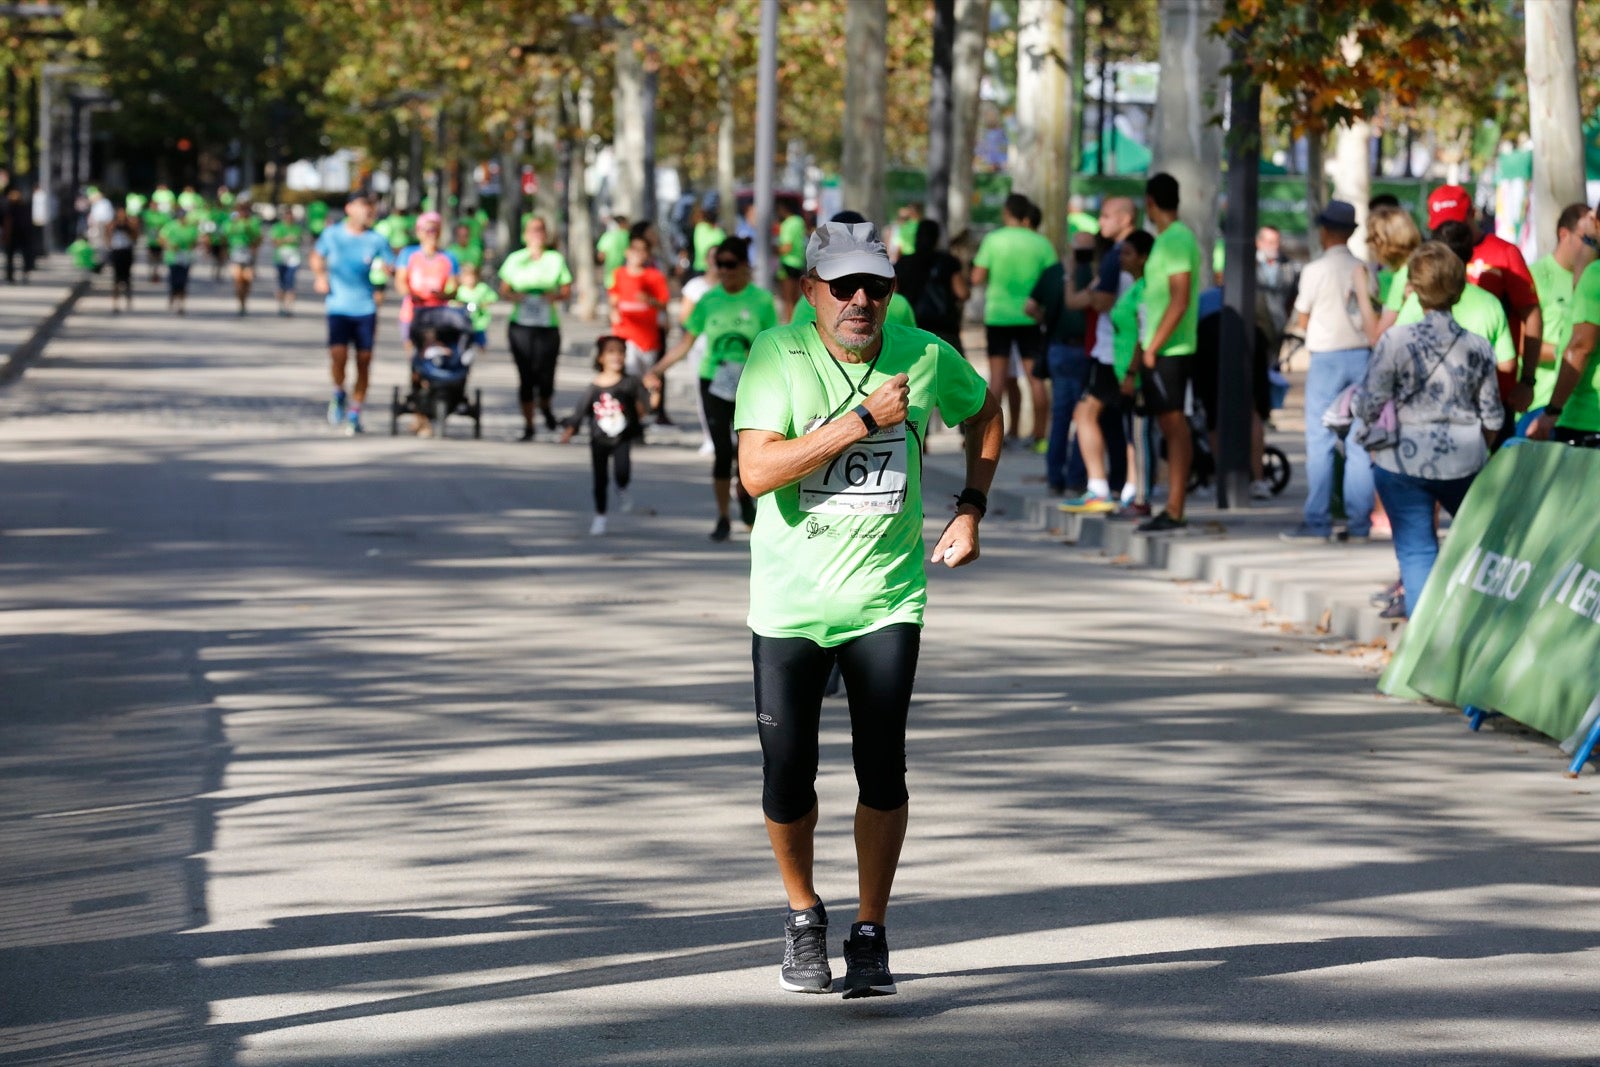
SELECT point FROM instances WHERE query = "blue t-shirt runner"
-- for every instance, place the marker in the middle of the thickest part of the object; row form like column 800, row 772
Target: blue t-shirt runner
column 343, row 264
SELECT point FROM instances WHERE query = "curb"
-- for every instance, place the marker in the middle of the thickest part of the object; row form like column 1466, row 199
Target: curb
column 12, row 366
column 1257, row 567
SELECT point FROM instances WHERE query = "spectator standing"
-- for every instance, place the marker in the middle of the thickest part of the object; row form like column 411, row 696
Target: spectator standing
column 1440, row 379
column 1476, row 310
column 907, row 220
column 1277, row 280
column 1171, row 320
column 1334, row 288
column 612, row 248
column 1573, row 413
column 16, row 234
column 1498, row 268
column 1555, row 277
column 1008, row 265
column 1066, row 356
column 935, row 284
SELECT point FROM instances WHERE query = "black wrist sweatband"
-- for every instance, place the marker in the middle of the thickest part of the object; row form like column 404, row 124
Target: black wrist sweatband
column 866, row 419
column 974, row 497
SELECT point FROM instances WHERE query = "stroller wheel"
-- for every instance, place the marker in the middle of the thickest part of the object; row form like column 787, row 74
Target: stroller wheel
column 477, row 414
column 1275, row 466
column 441, row 409
column 394, row 414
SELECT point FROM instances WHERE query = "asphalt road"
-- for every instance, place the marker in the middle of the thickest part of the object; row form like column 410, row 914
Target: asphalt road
column 345, row 752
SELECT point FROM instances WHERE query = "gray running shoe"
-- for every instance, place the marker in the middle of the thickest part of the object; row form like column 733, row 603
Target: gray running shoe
column 805, row 952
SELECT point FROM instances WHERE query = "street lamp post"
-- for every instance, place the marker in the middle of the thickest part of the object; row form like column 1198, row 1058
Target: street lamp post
column 766, row 139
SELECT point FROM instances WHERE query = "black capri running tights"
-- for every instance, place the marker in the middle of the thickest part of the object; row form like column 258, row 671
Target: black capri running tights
column 534, row 349
column 719, row 420
column 791, row 674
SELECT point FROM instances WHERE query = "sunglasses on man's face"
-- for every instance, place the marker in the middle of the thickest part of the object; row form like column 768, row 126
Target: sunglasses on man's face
column 845, row 288
column 728, row 264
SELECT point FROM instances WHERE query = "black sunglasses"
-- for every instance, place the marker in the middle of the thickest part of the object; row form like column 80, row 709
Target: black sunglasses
column 728, row 264
column 845, row 288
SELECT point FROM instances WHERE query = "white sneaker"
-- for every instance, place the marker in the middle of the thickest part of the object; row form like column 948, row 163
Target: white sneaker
column 624, row 502
column 598, row 526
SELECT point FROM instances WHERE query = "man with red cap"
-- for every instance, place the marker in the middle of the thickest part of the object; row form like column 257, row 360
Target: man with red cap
column 1497, row 266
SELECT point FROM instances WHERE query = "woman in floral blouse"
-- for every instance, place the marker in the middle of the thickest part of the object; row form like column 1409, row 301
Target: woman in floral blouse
column 1441, row 381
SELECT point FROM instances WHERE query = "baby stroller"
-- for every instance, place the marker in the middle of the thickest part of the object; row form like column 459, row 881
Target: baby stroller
column 439, row 370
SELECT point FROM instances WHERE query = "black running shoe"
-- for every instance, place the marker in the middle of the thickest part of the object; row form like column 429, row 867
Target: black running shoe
column 805, row 952
column 723, row 530
column 866, row 961
column 550, row 422
column 1163, row 523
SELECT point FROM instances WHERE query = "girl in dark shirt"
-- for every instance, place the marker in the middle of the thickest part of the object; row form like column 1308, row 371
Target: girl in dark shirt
column 614, row 406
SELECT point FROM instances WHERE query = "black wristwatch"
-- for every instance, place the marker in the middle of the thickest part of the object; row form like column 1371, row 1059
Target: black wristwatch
column 866, row 419
column 1552, row 411
column 976, row 497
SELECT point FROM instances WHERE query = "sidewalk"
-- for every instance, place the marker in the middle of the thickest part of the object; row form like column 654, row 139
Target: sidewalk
column 1324, row 587
column 31, row 311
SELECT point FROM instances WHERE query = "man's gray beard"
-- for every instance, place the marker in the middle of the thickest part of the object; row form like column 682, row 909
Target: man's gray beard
column 855, row 347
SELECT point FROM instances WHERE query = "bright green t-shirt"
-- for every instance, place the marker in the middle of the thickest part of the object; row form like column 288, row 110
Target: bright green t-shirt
column 190, row 200
column 537, row 277
column 792, row 232
column 1175, row 252
column 707, row 235
column 1125, row 327
column 900, row 312
column 1014, row 256
column 1555, row 285
column 135, row 203
column 1386, row 279
column 317, row 217
column 286, row 237
column 477, row 300
column 833, row 575
column 471, row 252
column 730, row 323
column 151, row 219
column 242, row 233
column 613, row 249
column 1582, row 410
column 905, row 237
column 82, row 253
column 1478, row 312
column 179, row 238
column 1395, row 298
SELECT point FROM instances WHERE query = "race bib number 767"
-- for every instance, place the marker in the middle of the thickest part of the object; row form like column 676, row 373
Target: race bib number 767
column 868, row 478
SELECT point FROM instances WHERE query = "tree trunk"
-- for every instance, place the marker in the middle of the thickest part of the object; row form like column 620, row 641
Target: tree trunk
column 866, row 29
column 508, row 230
column 1044, row 112
column 580, row 216
column 1188, row 143
column 726, row 208
column 1553, row 116
column 1352, row 162
column 966, row 75
column 1352, row 176
column 627, row 147
column 1316, row 177
column 939, row 112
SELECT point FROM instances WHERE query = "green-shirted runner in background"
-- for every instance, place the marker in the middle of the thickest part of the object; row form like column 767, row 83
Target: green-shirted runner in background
column 465, row 247
column 1008, row 265
column 536, row 278
column 729, row 317
column 830, row 423
column 287, row 236
column 317, row 217
column 705, row 236
column 1171, row 322
column 179, row 238
column 905, row 231
column 791, row 255
column 151, row 220
column 242, row 234
column 611, row 249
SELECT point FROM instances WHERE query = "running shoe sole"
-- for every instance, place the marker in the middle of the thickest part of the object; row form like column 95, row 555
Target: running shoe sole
column 791, row 987
column 862, row 991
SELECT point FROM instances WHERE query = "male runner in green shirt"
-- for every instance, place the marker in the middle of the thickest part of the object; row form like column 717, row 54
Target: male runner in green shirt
column 831, row 420
column 1172, row 319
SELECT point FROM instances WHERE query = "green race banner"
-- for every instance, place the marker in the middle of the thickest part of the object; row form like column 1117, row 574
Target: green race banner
column 1510, row 619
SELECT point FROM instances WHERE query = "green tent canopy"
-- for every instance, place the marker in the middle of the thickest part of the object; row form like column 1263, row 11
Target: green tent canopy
column 1124, row 155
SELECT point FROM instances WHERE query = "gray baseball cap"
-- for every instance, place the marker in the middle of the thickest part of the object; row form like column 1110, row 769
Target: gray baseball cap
column 840, row 248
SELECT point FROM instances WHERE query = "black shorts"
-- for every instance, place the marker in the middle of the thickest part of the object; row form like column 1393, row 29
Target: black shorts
column 1103, row 384
column 1029, row 342
column 1165, row 387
